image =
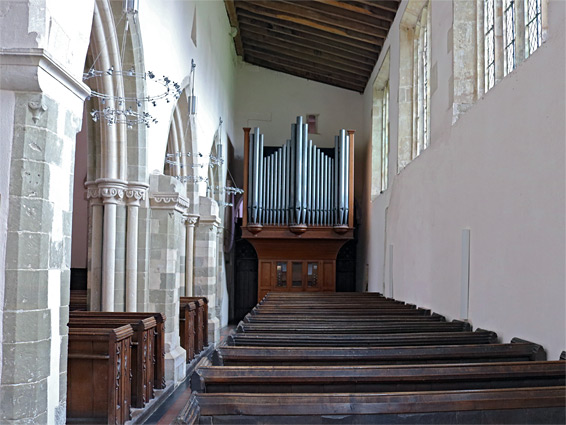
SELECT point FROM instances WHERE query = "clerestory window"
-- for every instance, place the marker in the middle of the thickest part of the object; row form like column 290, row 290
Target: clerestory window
column 512, row 31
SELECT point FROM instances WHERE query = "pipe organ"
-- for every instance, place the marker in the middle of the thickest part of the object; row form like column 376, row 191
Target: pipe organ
column 298, row 208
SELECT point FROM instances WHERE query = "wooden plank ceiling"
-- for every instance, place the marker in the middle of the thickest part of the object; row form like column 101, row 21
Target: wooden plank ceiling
column 329, row 41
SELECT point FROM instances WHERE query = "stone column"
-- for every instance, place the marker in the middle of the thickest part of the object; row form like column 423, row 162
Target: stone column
column 206, row 266
column 168, row 207
column 94, row 276
column 135, row 193
column 112, row 192
column 41, row 106
column 190, row 221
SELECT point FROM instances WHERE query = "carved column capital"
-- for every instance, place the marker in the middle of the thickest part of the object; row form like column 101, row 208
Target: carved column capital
column 135, row 193
column 190, row 220
column 111, row 191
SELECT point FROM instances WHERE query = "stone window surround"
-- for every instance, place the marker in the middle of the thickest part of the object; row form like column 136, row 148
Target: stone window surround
column 469, row 48
column 380, row 130
column 414, row 91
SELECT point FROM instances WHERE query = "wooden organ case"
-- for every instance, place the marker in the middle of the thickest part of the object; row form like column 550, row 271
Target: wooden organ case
column 298, row 208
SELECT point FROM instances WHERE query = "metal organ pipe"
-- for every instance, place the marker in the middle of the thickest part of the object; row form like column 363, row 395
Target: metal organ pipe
column 251, row 183
column 298, row 183
column 298, row 169
column 346, row 178
column 261, row 170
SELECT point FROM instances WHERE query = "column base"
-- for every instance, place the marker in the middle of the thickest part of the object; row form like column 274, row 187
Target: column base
column 175, row 365
column 214, row 331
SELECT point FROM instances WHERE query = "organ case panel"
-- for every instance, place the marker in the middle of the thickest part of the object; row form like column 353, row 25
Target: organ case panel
column 298, row 208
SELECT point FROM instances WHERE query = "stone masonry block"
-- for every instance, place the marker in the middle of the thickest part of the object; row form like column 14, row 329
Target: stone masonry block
column 56, row 255
column 29, row 179
column 30, row 214
column 26, row 325
column 26, row 289
column 25, row 362
column 21, row 402
column 33, row 143
column 27, row 250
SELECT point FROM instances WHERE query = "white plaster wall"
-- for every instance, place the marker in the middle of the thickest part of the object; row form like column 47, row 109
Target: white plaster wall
column 272, row 101
column 499, row 171
column 169, row 23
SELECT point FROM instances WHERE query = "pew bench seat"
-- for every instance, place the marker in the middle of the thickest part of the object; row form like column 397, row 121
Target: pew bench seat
column 543, row 405
column 346, row 340
column 517, row 350
column 399, row 378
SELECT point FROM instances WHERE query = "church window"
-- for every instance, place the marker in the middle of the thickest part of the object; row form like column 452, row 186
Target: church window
column 384, row 137
column 509, row 35
column 533, row 29
column 380, row 130
column 422, row 74
column 489, row 43
column 513, row 30
column 415, row 78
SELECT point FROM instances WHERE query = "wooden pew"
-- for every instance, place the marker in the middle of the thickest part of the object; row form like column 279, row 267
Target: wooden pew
column 345, row 340
column 78, row 300
column 353, row 327
column 273, row 318
column 361, row 312
column 188, row 328
column 517, row 350
column 142, row 351
column 159, row 342
column 98, row 375
column 501, row 406
column 202, row 320
column 398, row 378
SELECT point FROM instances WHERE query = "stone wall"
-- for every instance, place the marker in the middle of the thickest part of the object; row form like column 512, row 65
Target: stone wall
column 167, row 242
column 206, row 264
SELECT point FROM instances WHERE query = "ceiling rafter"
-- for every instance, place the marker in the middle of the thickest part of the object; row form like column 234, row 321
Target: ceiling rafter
column 308, row 32
column 358, row 58
column 312, row 63
column 335, row 42
column 335, row 30
column 310, row 54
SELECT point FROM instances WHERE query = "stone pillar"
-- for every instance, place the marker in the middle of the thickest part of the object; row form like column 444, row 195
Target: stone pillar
column 94, row 276
column 112, row 192
column 135, row 193
column 221, row 288
column 190, row 221
column 206, row 266
column 168, row 207
column 41, row 107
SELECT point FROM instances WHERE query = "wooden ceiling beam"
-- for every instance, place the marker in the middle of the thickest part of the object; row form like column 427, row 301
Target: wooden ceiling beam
column 302, row 58
column 313, row 67
column 275, row 10
column 233, row 18
column 308, row 39
column 310, row 54
column 346, row 17
column 359, row 10
column 388, row 5
column 358, row 59
column 307, row 32
column 319, row 13
column 299, row 72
